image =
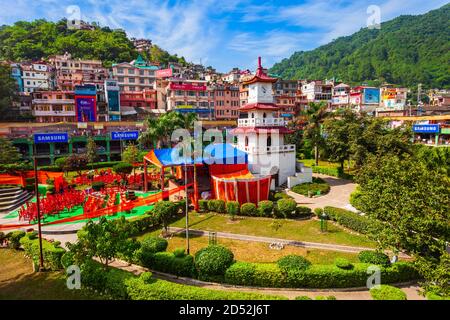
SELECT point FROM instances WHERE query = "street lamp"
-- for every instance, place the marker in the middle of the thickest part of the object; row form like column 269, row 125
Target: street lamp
column 323, row 222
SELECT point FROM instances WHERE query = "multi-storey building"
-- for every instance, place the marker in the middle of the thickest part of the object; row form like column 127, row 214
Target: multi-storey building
column 72, row 72
column 16, row 74
column 285, row 92
column 136, row 75
column 341, row 96
column 365, row 99
column 53, row 106
column 317, row 91
column 233, row 76
column 440, row 98
column 37, row 76
column 190, row 96
column 226, row 101
column 142, row 45
column 136, row 105
column 392, row 100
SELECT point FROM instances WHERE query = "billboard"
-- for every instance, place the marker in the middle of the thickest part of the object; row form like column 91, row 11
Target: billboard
column 51, row 137
column 426, row 128
column 85, row 108
column 164, row 73
column 124, row 135
column 187, row 86
column 371, row 96
column 113, row 100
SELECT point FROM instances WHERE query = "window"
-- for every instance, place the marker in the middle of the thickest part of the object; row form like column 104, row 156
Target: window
column 142, row 81
column 269, row 142
column 131, row 80
column 142, row 72
column 121, row 79
column 264, row 115
column 191, row 93
column 131, row 89
column 59, row 96
column 246, row 141
column 179, row 93
column 130, row 71
column 120, row 70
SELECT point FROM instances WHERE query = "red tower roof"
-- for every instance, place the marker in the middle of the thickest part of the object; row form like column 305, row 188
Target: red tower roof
column 260, row 75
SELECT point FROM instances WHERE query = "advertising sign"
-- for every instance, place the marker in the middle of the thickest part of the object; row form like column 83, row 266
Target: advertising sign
column 113, row 100
column 164, row 73
column 85, row 107
column 187, row 86
column 371, row 95
column 124, row 135
column 426, row 128
column 389, row 94
column 51, row 137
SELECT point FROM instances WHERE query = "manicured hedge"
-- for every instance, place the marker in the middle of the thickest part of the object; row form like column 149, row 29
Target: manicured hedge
column 343, row 264
column 217, row 206
column 154, row 244
column 316, row 276
column 265, row 208
column 94, row 165
column 213, row 261
column 52, row 252
column 249, row 209
column 329, row 171
column 286, row 208
column 203, row 205
column 169, row 263
column 374, row 257
column 14, row 239
column 385, row 292
column 293, row 263
column 348, row 219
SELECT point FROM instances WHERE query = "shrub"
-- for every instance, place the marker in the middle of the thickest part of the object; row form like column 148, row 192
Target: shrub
column 51, row 189
column 318, row 212
column 385, row 292
column 303, row 298
column 275, row 196
column 61, row 163
column 2, row 238
column 286, row 208
column 348, row 219
column 355, row 198
column 248, row 209
column 374, row 257
column 293, row 263
column 123, row 168
column 325, row 298
column 51, row 252
column 203, row 205
column 179, row 252
column 168, row 262
column 213, row 260
column 301, row 211
column 98, row 185
column 232, row 208
column 216, row 206
column 240, row 273
column 154, row 244
column 343, row 264
column 14, row 239
column 265, row 208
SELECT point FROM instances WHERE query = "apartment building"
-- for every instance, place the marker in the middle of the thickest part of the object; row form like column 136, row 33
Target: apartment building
column 37, row 76
column 71, row 72
column 341, row 96
column 226, row 101
column 136, row 75
column 190, row 96
column 285, row 93
column 365, row 99
column 142, row 45
column 53, row 106
column 316, row 91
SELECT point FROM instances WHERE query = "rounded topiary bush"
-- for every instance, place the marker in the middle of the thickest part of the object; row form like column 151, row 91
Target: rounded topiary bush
column 216, row 206
column 265, row 208
column 385, row 292
column 318, row 212
column 203, row 205
column 248, row 209
column 179, row 252
column 286, row 208
column 293, row 263
column 233, row 208
column 213, row 260
column 342, row 263
column 374, row 257
column 154, row 244
column 98, row 185
column 303, row 298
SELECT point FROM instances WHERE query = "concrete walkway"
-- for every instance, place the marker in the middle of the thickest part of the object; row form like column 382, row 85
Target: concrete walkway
column 411, row 290
column 339, row 195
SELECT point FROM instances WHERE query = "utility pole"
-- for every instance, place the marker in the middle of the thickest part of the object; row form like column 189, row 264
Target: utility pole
column 419, row 95
column 36, row 191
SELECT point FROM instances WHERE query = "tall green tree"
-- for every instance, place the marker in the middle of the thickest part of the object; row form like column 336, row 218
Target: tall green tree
column 8, row 153
column 410, row 207
column 8, row 93
column 315, row 113
column 91, row 150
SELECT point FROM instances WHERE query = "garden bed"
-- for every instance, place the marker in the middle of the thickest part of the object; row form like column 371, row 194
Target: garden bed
column 317, row 188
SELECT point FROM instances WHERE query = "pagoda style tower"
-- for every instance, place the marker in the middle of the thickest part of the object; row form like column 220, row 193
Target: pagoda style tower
column 260, row 132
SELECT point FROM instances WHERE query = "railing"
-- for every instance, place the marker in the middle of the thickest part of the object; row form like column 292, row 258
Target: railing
column 53, row 101
column 272, row 149
column 53, row 113
column 264, row 122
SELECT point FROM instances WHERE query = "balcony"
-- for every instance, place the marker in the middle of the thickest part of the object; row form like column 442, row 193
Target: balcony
column 265, row 122
column 269, row 150
column 53, row 101
column 40, row 113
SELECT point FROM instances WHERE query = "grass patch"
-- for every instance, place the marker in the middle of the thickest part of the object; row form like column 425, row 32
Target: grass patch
column 19, row 282
column 256, row 251
column 301, row 230
column 317, row 187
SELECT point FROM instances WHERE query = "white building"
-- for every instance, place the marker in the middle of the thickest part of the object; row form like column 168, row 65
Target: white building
column 37, row 77
column 260, row 132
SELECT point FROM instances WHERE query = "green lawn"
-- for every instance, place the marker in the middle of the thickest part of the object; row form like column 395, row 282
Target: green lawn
column 18, row 282
column 302, row 230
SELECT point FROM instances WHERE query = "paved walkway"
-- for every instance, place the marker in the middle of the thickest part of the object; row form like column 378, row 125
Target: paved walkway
column 339, row 195
column 411, row 290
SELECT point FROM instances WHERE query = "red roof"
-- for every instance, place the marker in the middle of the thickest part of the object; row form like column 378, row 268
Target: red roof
column 259, row 106
column 260, row 75
column 280, row 130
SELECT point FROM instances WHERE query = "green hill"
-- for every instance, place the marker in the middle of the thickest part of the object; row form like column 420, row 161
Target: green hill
column 39, row 39
column 406, row 51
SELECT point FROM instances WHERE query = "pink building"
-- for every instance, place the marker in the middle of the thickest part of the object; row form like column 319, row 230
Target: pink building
column 226, row 101
column 53, row 106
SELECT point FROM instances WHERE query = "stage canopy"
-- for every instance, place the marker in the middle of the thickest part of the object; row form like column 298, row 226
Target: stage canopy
column 223, row 154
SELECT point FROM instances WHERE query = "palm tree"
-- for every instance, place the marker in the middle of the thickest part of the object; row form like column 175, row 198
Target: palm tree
column 316, row 113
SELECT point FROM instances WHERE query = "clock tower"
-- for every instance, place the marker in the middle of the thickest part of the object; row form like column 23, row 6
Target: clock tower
column 260, row 132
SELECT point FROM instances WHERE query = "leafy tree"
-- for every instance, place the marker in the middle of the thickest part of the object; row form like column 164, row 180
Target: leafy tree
column 76, row 162
column 8, row 95
column 130, row 154
column 8, row 153
column 164, row 211
column 91, row 150
column 123, row 168
column 316, row 113
column 409, row 207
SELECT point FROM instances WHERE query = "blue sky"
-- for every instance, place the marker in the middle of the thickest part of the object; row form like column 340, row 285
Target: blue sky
column 224, row 33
